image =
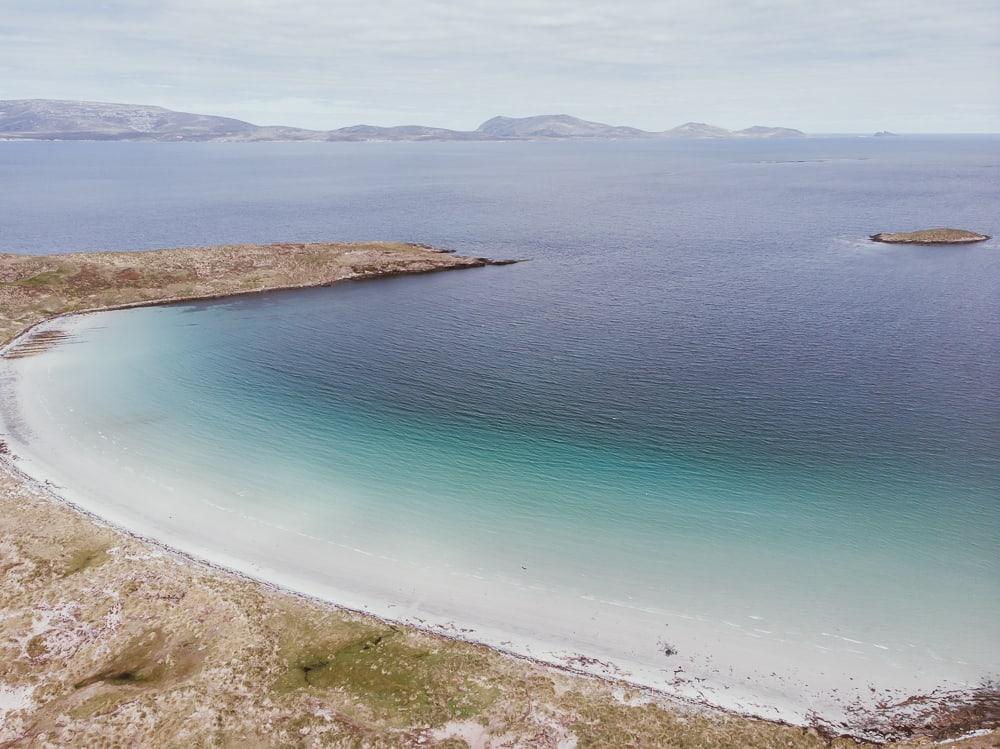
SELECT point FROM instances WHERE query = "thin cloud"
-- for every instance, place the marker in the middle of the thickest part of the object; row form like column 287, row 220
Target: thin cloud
column 823, row 67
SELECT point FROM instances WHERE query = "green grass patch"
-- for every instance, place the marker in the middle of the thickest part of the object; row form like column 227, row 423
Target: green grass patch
column 153, row 661
column 83, row 559
column 392, row 678
column 45, row 278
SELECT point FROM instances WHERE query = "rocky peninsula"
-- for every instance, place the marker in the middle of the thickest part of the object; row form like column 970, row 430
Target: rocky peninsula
column 930, row 236
column 111, row 639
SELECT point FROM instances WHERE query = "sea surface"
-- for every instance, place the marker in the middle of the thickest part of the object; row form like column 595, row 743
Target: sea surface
column 709, row 432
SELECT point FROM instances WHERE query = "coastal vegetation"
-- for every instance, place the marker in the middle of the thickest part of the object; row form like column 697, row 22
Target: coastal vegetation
column 36, row 287
column 108, row 639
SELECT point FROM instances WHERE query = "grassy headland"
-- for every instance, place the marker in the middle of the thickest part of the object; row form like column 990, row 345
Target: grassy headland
column 36, row 287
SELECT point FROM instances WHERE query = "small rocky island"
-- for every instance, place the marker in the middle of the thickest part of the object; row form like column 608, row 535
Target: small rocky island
column 930, row 236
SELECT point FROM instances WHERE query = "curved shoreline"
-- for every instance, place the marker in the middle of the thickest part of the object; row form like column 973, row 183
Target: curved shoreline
column 52, row 493
column 603, row 670
column 879, row 732
column 243, row 574
column 55, row 493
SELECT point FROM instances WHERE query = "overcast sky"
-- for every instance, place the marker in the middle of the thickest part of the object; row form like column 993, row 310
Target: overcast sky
column 822, row 66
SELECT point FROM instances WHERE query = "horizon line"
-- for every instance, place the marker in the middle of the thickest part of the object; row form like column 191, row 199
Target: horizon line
column 193, row 111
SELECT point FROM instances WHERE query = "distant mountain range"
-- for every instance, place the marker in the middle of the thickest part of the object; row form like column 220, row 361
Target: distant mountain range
column 50, row 119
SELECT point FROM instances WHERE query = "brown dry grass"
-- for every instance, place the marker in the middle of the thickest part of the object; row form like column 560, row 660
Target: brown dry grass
column 34, row 287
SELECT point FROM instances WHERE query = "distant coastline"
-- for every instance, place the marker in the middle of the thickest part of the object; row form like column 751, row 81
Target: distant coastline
column 48, row 119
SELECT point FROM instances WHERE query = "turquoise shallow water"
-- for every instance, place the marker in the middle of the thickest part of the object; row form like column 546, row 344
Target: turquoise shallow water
column 224, row 392
column 772, row 444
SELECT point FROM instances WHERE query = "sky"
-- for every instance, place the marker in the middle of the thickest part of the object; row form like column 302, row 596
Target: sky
column 824, row 66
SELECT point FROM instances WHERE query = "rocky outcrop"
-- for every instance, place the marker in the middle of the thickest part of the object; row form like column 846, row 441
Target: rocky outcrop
column 930, row 236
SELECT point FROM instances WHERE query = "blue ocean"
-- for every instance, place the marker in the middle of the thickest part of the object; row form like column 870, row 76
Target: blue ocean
column 708, row 431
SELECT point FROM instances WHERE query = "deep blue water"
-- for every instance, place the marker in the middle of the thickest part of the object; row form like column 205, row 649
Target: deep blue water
column 706, row 391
